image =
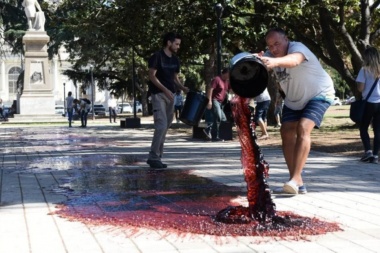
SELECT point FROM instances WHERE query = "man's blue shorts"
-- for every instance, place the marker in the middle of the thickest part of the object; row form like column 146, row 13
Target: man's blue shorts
column 314, row 110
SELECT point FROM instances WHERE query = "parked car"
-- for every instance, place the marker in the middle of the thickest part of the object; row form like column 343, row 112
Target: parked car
column 60, row 109
column 99, row 109
column 138, row 106
column 337, row 101
column 124, row 108
column 348, row 101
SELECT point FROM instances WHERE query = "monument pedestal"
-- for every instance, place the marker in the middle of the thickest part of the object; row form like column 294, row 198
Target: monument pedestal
column 37, row 95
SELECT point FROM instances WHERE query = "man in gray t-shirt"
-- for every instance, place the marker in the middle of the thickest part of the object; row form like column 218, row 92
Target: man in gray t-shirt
column 309, row 92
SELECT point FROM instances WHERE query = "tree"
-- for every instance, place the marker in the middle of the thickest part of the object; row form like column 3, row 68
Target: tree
column 336, row 31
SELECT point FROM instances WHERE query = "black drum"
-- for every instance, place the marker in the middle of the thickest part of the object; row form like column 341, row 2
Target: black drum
column 193, row 109
column 248, row 75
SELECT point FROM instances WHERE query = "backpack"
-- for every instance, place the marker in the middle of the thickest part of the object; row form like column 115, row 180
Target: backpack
column 86, row 100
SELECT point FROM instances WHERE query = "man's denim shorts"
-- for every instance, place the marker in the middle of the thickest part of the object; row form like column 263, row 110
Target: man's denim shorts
column 314, row 110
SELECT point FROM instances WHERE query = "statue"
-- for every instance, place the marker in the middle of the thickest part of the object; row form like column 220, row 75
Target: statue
column 36, row 20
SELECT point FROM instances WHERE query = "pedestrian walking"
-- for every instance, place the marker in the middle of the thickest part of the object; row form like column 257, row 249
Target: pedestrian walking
column 367, row 81
column 69, row 106
column 178, row 104
column 112, row 108
column 261, row 112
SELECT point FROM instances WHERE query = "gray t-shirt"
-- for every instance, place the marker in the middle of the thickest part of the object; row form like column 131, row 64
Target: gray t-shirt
column 304, row 82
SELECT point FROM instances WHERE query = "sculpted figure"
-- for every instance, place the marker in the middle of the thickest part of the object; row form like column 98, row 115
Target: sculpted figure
column 36, row 20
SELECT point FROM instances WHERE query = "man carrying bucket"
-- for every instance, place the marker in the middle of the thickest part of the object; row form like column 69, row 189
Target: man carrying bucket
column 164, row 68
column 309, row 91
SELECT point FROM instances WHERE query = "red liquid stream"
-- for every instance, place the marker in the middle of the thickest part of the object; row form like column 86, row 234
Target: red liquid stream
column 260, row 203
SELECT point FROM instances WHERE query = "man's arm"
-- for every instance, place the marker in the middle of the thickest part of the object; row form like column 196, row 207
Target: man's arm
column 179, row 84
column 209, row 91
column 288, row 61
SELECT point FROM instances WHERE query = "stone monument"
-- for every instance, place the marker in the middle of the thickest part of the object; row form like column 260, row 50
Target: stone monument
column 37, row 96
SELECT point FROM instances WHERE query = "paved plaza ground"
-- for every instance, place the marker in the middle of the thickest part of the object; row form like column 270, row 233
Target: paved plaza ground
column 37, row 161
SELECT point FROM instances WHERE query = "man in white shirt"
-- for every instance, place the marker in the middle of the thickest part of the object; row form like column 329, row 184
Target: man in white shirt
column 309, row 91
column 112, row 108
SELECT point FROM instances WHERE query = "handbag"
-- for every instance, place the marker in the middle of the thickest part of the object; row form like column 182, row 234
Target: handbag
column 357, row 108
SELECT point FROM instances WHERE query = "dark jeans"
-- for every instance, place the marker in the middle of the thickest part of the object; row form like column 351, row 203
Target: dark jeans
column 178, row 110
column 217, row 115
column 112, row 111
column 70, row 115
column 2, row 113
column 371, row 113
column 83, row 117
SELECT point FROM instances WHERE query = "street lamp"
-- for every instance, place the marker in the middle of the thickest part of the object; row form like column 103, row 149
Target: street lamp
column 219, row 13
column 92, row 91
column 64, row 100
column 133, row 83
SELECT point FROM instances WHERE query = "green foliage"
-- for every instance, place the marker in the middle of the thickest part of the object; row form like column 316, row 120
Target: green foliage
column 107, row 32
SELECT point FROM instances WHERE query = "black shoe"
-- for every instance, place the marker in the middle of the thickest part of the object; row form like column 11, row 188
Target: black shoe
column 367, row 156
column 374, row 159
column 217, row 140
column 157, row 164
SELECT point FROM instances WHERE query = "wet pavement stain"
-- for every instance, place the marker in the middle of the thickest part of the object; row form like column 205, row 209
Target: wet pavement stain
column 120, row 190
column 167, row 199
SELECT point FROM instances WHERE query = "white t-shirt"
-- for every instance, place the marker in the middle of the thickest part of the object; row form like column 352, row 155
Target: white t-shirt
column 263, row 96
column 178, row 100
column 305, row 82
column 112, row 102
column 368, row 79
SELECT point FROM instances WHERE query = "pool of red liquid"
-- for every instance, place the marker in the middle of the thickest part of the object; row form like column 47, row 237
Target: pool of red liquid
column 178, row 201
column 171, row 200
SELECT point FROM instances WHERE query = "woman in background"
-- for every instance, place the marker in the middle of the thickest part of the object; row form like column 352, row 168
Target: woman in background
column 368, row 74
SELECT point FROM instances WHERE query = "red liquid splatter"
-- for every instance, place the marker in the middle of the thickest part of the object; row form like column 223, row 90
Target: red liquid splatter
column 179, row 202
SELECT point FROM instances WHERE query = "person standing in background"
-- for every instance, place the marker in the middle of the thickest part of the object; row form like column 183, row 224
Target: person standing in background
column 2, row 110
column 278, row 109
column 164, row 68
column 178, row 104
column 112, row 108
column 368, row 75
column 69, row 106
column 216, row 93
column 84, row 106
column 261, row 112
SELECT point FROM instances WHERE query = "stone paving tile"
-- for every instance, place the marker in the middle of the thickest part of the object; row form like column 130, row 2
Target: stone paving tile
column 32, row 166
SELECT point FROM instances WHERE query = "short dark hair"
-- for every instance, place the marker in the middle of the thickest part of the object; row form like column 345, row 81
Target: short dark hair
column 275, row 30
column 70, row 93
column 170, row 36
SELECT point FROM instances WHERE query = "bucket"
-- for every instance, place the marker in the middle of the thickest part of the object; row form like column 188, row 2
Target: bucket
column 248, row 75
column 193, row 109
